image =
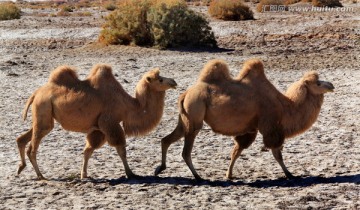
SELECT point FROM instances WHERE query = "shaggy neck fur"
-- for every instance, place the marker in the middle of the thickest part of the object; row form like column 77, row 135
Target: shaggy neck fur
column 147, row 111
column 302, row 111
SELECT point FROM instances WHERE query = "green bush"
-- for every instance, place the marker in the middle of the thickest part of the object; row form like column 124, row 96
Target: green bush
column 161, row 23
column 230, row 10
column 9, row 11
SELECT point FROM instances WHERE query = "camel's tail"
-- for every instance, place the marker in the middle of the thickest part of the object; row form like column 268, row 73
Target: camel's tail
column 28, row 103
column 181, row 104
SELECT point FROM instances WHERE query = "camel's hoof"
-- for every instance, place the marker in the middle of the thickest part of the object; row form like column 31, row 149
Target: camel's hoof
column 229, row 177
column 159, row 169
column 41, row 178
column 290, row 176
column 84, row 176
column 199, row 179
column 21, row 167
column 133, row 176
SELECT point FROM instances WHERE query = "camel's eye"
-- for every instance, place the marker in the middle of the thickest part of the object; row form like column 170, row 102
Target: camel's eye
column 160, row 80
column 318, row 83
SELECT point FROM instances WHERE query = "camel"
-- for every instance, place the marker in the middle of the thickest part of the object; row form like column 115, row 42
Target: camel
column 242, row 107
column 94, row 106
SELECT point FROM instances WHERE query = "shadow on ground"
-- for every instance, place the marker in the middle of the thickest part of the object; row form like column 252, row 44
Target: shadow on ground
column 281, row 182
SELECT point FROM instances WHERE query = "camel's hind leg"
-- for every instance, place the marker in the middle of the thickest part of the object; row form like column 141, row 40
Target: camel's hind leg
column 166, row 142
column 22, row 142
column 94, row 141
column 115, row 137
column 38, row 133
column 241, row 143
column 189, row 142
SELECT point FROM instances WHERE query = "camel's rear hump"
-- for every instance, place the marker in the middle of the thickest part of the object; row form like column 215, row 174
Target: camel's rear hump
column 64, row 76
column 215, row 70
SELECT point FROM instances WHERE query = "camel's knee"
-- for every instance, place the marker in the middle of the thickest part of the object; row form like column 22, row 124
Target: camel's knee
column 24, row 138
column 28, row 151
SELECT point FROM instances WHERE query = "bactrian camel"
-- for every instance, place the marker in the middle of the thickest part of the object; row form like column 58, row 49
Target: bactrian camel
column 94, row 106
column 242, row 107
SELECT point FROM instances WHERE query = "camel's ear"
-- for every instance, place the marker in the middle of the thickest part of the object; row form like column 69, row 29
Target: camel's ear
column 148, row 79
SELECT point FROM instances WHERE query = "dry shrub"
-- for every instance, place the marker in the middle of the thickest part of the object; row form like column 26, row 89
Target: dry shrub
column 110, row 7
column 62, row 13
column 288, row 2
column 84, row 14
column 67, row 8
column 326, row 3
column 230, row 10
column 265, row 5
column 9, row 11
column 161, row 23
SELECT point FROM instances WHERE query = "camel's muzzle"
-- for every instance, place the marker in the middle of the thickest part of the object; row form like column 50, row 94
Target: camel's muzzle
column 172, row 83
column 329, row 86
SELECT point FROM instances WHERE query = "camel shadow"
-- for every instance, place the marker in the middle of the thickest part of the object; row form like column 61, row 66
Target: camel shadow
column 182, row 181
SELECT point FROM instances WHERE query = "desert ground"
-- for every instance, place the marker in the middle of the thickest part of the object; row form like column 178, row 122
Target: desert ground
column 325, row 159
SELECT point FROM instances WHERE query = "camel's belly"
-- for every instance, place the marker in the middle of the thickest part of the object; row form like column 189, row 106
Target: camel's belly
column 78, row 123
column 231, row 128
column 78, row 119
column 232, row 123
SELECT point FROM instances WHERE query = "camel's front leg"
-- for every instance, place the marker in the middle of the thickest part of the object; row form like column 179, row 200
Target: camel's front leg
column 241, row 143
column 94, row 141
column 115, row 136
column 165, row 144
column 278, row 156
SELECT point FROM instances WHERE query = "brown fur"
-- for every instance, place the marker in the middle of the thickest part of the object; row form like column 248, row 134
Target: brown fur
column 242, row 106
column 94, row 106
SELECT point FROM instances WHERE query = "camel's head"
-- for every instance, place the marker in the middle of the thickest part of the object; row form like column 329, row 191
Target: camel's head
column 316, row 86
column 157, row 82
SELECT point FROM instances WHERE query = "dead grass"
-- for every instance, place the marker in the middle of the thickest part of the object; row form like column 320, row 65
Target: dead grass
column 9, row 11
column 230, row 10
column 326, row 3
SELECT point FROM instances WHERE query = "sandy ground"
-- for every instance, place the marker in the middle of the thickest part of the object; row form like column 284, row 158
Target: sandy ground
column 326, row 158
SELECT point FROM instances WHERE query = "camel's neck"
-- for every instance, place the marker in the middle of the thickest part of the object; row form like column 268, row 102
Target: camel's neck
column 301, row 113
column 146, row 113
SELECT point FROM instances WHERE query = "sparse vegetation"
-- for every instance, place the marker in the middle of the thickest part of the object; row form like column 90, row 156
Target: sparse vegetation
column 265, row 5
column 110, row 7
column 160, row 23
column 67, row 8
column 230, row 10
column 326, row 3
column 288, row 2
column 9, row 11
